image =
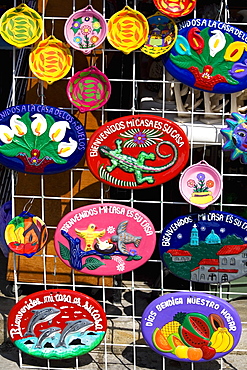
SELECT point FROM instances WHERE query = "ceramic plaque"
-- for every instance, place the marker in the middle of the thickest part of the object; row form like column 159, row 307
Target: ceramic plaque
column 236, row 136
column 191, row 327
column 105, row 239
column 200, row 184
column 57, row 324
column 137, row 152
column 208, row 247
column 127, row 30
column 162, row 35
column 175, row 8
column 26, row 234
column 85, row 29
column 21, row 26
column 50, row 60
column 40, row 139
column 209, row 55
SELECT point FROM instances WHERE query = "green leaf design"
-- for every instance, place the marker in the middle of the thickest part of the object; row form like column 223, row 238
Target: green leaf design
column 89, row 99
column 12, row 150
column 29, row 137
column 136, row 258
column 17, row 221
column 76, row 81
column 129, row 258
column 79, row 96
column 90, row 95
column 81, row 86
column 106, row 257
column 64, row 252
column 50, row 121
column 181, row 61
column 50, row 150
column 100, row 87
column 10, row 32
column 93, row 263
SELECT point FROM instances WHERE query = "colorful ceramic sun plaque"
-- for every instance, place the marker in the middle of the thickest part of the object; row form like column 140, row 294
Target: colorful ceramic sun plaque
column 175, row 8
column 191, row 327
column 136, row 152
column 50, row 60
column 89, row 89
column 208, row 247
column 127, row 30
column 40, row 139
column 209, row 55
column 85, row 29
column 105, row 239
column 21, row 26
column 236, row 136
column 162, row 35
column 200, row 184
column 57, row 324
column 26, row 234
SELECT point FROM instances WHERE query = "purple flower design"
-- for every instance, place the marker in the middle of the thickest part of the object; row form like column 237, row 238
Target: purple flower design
column 133, row 252
column 76, row 24
column 239, row 70
column 200, row 176
column 139, row 138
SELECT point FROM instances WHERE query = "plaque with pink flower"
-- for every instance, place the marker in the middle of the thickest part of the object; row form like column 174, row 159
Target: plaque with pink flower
column 200, row 184
column 85, row 29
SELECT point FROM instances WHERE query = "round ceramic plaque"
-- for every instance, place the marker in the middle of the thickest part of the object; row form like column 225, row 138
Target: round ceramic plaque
column 40, row 139
column 50, row 60
column 85, row 29
column 127, row 30
column 192, row 327
column 200, row 184
column 105, row 239
column 175, row 8
column 89, row 89
column 26, row 234
column 209, row 55
column 162, row 35
column 137, row 152
column 205, row 247
column 21, row 26
column 236, row 137
column 57, row 324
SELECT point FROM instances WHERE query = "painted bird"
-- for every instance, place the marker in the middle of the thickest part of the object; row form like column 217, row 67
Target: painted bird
column 123, row 238
column 89, row 235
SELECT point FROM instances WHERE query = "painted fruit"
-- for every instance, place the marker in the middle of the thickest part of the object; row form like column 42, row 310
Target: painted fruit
column 208, row 352
column 194, row 354
column 174, row 341
column 196, row 323
column 181, row 351
column 160, row 341
column 191, row 339
column 216, row 321
column 222, row 340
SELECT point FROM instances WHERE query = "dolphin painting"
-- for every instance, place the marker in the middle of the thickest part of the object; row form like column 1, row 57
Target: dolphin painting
column 47, row 333
column 40, row 316
column 77, row 326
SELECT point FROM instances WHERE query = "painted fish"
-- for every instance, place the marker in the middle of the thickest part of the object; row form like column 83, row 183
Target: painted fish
column 47, row 333
column 123, row 238
column 77, row 326
column 40, row 316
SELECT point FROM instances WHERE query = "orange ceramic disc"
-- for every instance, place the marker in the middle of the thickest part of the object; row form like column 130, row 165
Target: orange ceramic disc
column 175, row 8
column 51, row 60
column 127, row 30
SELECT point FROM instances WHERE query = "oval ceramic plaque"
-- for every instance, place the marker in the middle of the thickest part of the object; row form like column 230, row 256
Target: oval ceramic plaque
column 40, row 139
column 192, row 327
column 105, row 239
column 200, row 184
column 210, row 56
column 208, row 247
column 137, row 152
column 26, row 234
column 236, row 137
column 57, row 324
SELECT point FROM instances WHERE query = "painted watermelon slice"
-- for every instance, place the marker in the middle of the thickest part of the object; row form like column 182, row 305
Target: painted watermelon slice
column 191, row 339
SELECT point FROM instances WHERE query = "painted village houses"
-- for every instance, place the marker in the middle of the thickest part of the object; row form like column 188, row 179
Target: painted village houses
column 179, row 255
column 231, row 264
